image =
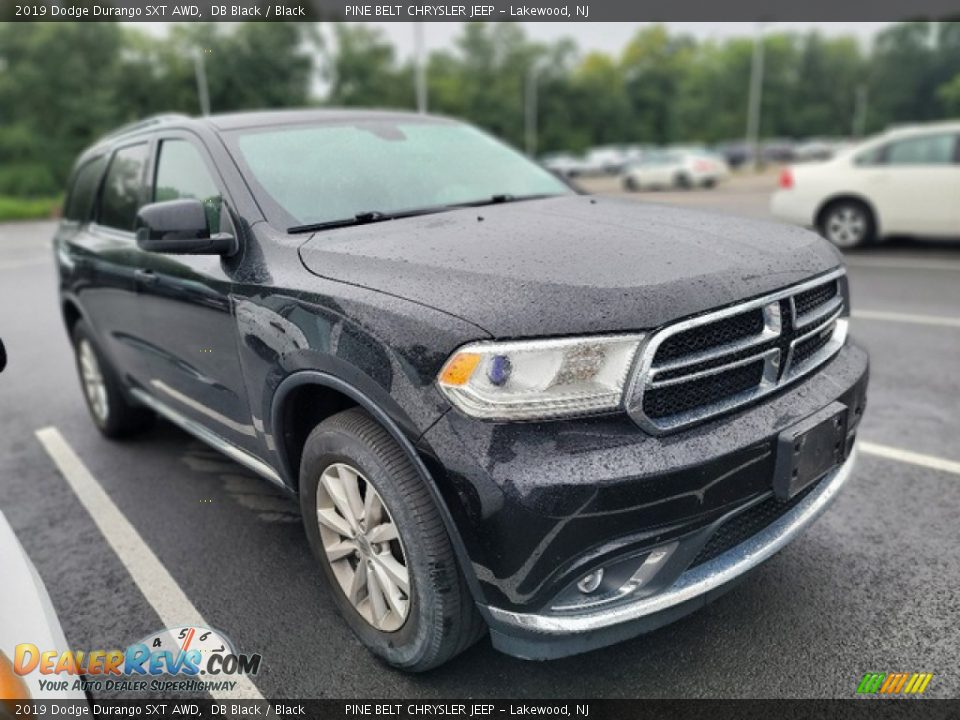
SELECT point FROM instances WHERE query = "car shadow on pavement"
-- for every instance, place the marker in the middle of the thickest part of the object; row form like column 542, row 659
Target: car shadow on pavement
column 948, row 248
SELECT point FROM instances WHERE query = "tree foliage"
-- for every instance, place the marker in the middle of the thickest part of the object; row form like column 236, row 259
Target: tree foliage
column 63, row 84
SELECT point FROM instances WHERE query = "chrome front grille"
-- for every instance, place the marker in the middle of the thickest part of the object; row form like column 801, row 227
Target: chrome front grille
column 708, row 365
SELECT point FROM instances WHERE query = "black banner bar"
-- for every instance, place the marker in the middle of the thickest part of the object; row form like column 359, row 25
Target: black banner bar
column 874, row 707
column 471, row 10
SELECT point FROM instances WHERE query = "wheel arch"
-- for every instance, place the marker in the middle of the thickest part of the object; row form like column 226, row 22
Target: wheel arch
column 848, row 197
column 393, row 420
column 71, row 312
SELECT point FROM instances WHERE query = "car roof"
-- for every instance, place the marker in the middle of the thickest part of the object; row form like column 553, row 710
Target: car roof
column 913, row 129
column 233, row 121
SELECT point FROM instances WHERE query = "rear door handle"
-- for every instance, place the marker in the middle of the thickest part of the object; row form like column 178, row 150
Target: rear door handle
column 147, row 277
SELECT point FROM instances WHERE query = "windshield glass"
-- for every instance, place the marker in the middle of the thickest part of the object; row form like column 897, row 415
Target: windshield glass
column 328, row 172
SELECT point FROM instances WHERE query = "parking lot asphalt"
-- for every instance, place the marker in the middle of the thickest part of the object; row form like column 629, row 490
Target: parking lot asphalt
column 870, row 587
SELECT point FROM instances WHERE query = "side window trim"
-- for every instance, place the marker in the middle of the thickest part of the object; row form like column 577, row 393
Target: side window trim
column 94, row 198
column 197, row 144
column 98, row 199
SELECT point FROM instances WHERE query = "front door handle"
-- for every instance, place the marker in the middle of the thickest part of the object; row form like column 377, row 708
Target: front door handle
column 147, row 277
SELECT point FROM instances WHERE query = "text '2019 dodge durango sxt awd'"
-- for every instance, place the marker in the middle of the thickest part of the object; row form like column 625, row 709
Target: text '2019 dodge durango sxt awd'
column 502, row 404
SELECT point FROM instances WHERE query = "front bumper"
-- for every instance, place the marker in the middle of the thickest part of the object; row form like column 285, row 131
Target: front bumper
column 542, row 637
column 538, row 506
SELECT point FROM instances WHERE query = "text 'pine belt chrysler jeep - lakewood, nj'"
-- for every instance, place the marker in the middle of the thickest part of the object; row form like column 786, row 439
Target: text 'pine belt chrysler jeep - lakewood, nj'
column 503, row 405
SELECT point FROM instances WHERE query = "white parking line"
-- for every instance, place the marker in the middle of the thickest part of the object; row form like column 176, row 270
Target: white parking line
column 156, row 584
column 905, row 264
column 938, row 320
column 906, row 456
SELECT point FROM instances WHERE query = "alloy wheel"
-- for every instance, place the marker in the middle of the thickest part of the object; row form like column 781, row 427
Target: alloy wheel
column 846, row 227
column 94, row 386
column 363, row 547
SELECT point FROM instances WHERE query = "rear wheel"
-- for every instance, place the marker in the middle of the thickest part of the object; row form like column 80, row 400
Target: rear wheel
column 682, row 181
column 847, row 224
column 112, row 412
column 382, row 546
column 630, row 184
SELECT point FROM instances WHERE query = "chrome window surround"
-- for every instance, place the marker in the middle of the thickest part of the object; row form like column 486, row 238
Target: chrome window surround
column 805, row 326
column 702, row 579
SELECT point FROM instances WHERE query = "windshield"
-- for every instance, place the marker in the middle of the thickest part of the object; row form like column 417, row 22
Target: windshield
column 330, row 172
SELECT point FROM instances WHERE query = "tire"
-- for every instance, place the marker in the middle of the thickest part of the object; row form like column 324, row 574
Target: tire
column 682, row 181
column 111, row 410
column 351, row 451
column 710, row 183
column 847, row 224
column 630, row 184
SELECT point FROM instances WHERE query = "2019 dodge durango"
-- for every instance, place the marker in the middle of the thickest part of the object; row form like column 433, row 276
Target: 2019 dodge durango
column 502, row 404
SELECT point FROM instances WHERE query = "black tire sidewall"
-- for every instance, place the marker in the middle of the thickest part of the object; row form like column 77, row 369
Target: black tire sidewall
column 406, row 645
column 109, row 427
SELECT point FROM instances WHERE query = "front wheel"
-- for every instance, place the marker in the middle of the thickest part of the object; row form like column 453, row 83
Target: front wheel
column 847, row 224
column 382, row 547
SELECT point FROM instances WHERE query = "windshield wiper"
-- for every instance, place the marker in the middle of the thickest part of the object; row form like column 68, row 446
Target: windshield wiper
column 372, row 216
column 361, row 218
column 503, row 198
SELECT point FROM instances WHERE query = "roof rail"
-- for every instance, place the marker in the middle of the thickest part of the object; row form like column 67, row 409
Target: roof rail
column 146, row 123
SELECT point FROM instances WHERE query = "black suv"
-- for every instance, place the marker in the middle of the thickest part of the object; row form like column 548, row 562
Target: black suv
column 502, row 404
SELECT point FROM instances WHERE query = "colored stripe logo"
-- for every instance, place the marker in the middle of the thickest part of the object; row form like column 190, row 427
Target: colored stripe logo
column 894, row 683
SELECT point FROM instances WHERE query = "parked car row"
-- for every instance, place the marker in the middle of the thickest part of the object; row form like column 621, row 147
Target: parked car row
column 620, row 159
column 604, row 160
column 780, row 150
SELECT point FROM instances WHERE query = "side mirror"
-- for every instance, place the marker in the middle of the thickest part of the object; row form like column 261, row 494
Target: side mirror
column 179, row 227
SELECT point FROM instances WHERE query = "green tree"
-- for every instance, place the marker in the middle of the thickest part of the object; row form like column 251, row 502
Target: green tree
column 949, row 94
column 361, row 70
column 57, row 92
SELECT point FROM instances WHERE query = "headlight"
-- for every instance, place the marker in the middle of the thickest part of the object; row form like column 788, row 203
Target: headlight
column 534, row 379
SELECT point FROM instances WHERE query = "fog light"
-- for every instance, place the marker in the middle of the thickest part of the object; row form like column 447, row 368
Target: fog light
column 589, row 583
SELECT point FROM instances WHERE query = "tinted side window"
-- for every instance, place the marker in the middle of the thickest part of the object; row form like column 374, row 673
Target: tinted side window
column 873, row 156
column 123, row 188
column 85, row 183
column 182, row 173
column 923, row 150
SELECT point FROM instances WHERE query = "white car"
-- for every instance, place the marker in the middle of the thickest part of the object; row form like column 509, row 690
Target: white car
column 657, row 171
column 604, row 160
column 904, row 182
column 563, row 164
column 27, row 616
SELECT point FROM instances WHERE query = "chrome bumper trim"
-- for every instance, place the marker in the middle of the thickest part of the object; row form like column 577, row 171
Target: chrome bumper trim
column 701, row 579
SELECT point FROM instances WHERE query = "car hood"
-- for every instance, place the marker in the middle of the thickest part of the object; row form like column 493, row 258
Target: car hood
column 571, row 264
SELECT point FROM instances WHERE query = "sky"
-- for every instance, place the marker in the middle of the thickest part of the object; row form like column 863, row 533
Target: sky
column 612, row 37
column 609, row 37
